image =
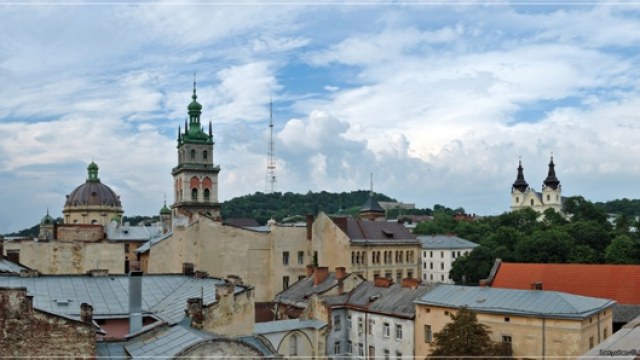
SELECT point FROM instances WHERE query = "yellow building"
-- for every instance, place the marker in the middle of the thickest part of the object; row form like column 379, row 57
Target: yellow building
column 535, row 323
column 92, row 202
column 368, row 248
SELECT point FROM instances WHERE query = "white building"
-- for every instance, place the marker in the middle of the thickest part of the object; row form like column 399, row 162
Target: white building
column 374, row 321
column 523, row 196
column 438, row 254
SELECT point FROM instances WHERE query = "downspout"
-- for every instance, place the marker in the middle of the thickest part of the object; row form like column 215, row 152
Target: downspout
column 598, row 327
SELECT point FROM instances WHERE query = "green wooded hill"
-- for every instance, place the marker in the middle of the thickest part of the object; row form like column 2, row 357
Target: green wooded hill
column 290, row 207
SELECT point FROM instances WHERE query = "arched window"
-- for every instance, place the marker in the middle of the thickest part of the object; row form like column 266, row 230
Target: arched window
column 194, row 194
column 517, row 200
column 531, row 202
column 353, row 257
column 548, row 197
column 206, row 194
column 193, row 154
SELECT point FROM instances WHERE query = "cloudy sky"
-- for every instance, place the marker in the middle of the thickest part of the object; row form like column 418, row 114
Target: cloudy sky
column 437, row 100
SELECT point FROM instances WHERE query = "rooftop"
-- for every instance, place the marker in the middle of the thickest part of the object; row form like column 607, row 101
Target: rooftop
column 618, row 282
column 375, row 232
column 551, row 304
column 445, row 242
column 393, row 300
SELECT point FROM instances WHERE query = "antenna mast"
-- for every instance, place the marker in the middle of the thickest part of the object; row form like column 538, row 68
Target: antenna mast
column 271, row 164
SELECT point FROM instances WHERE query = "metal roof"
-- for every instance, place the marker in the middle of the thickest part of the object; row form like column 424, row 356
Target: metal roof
column 446, row 242
column 7, row 266
column 287, row 325
column 551, row 304
column 393, row 300
column 163, row 295
column 299, row 292
column 623, row 344
column 375, row 232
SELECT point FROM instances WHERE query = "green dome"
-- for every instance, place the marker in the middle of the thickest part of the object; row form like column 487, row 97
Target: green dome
column 165, row 210
column 194, row 105
column 47, row 219
column 92, row 166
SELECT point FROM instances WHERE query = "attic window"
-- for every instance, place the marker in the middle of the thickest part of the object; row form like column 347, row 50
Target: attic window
column 387, row 233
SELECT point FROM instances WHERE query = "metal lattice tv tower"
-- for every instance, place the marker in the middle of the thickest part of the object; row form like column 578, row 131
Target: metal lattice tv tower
column 270, row 182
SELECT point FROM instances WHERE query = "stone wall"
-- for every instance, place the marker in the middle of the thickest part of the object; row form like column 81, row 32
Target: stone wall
column 27, row 332
column 84, row 233
column 70, row 258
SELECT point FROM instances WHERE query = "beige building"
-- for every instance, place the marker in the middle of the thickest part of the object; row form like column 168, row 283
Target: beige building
column 368, row 248
column 534, row 323
column 523, row 196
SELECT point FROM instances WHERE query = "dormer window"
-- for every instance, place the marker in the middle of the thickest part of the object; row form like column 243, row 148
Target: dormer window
column 388, row 234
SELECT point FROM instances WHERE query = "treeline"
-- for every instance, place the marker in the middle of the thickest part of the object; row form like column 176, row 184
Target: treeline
column 290, row 207
column 586, row 236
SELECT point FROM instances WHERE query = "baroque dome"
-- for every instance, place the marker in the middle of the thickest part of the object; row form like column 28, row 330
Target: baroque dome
column 93, row 192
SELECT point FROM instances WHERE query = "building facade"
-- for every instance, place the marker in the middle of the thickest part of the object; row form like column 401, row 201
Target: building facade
column 523, row 196
column 534, row 323
column 438, row 254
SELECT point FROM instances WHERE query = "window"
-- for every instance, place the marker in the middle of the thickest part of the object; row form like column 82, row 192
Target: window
column 424, row 265
column 398, row 332
column 206, row 194
column 194, row 194
column 300, row 257
column 353, row 258
column 531, row 202
column 441, row 277
column 300, row 277
column 591, row 342
column 441, row 266
column 285, row 282
column 506, row 339
column 126, row 248
column 336, row 347
column 431, row 254
column 387, row 275
column 605, row 333
column 548, row 197
column 285, row 258
column 371, row 324
column 360, row 324
column 442, row 254
column 410, row 274
column 293, row 345
column 398, row 355
column 517, row 199
column 360, row 349
column 507, row 319
column 349, row 347
column 193, row 154
column 336, row 323
column 372, row 352
column 348, row 322
column 428, row 335
column 399, row 277
column 204, row 155
column 446, row 313
column 431, row 265
column 386, row 354
column 385, row 330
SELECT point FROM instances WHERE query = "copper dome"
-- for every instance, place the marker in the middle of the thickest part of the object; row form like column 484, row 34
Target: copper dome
column 93, row 192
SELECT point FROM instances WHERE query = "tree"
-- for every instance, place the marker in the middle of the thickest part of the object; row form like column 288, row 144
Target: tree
column 464, row 336
column 622, row 250
column 548, row 246
column 473, row 267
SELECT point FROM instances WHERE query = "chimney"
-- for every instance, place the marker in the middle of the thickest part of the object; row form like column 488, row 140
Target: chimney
column 411, row 283
column 201, row 274
column 321, row 274
column 382, row 282
column 309, row 226
column 1, row 248
column 86, row 313
column 310, row 269
column 187, row 268
column 234, row 279
column 194, row 311
column 341, row 272
column 135, row 301
column 536, row 285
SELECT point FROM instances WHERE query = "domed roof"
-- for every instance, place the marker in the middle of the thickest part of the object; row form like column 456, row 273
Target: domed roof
column 47, row 219
column 165, row 210
column 93, row 192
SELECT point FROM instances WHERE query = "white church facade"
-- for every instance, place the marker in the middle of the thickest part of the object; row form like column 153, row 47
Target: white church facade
column 523, row 196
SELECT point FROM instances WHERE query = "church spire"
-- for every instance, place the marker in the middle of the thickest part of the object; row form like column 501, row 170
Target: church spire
column 552, row 180
column 520, row 184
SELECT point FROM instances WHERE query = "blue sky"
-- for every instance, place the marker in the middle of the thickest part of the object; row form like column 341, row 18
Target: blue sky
column 438, row 101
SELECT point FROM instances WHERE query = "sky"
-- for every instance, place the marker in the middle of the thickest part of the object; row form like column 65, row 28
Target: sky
column 437, row 99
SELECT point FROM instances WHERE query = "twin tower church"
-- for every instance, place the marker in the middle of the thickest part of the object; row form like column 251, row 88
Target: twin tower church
column 523, row 196
column 195, row 180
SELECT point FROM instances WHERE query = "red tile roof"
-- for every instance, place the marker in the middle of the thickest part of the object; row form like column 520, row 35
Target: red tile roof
column 618, row 282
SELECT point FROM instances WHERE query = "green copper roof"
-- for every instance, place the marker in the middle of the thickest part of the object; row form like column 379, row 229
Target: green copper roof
column 193, row 132
column 47, row 219
column 165, row 210
column 92, row 169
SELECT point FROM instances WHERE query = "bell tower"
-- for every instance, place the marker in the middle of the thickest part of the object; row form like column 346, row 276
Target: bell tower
column 196, row 177
column 551, row 188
